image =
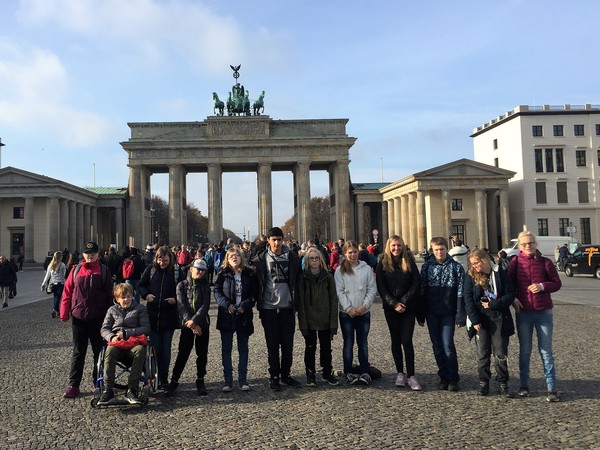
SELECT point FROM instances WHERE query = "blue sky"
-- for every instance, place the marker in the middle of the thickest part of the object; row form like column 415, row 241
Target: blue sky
column 413, row 78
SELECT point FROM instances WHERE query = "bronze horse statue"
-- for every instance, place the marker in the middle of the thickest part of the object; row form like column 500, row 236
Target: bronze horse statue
column 219, row 105
column 259, row 104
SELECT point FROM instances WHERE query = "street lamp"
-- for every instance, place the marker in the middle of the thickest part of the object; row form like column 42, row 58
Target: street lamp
column 1, row 145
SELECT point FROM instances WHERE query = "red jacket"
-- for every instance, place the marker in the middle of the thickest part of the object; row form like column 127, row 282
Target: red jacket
column 524, row 271
column 88, row 296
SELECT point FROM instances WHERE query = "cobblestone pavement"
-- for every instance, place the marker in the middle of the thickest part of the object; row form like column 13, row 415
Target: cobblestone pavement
column 34, row 362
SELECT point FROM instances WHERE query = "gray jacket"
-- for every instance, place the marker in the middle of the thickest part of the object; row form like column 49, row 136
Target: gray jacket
column 133, row 321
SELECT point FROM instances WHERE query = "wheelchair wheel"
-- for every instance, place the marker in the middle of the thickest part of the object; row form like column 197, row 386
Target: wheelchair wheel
column 99, row 382
column 151, row 368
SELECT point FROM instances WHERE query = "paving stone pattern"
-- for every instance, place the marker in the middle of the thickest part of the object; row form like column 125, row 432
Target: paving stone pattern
column 35, row 352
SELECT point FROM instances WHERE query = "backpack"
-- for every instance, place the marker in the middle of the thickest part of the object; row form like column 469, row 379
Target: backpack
column 217, row 261
column 209, row 259
column 128, row 268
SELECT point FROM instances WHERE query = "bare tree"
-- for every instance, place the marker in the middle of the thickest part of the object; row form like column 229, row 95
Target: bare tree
column 320, row 221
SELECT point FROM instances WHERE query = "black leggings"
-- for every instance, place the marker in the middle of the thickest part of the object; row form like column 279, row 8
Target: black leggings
column 402, row 327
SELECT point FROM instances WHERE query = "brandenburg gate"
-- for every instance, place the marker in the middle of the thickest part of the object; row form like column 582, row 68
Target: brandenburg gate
column 237, row 144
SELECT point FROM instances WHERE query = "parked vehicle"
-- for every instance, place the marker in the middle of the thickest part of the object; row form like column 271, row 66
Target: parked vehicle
column 585, row 260
column 545, row 244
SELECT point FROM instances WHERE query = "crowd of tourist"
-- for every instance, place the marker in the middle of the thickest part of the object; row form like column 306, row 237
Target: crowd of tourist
column 317, row 288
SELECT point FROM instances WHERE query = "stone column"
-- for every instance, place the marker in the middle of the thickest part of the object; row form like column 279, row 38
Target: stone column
column 405, row 218
column 446, row 205
column 343, row 200
column 412, row 218
column 421, row 223
column 215, row 206
column 177, row 222
column 87, row 233
column 54, row 218
column 265, row 198
column 384, row 221
column 64, row 224
column 79, row 227
column 360, row 223
column 135, row 220
column 304, row 216
column 72, row 227
column 504, row 217
column 481, row 215
column 94, row 223
column 29, row 229
column 119, row 227
column 397, row 216
column 391, row 217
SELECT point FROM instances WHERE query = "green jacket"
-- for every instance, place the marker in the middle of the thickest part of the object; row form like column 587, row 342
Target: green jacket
column 318, row 306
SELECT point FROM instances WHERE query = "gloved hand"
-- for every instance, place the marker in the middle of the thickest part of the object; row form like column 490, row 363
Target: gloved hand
column 332, row 333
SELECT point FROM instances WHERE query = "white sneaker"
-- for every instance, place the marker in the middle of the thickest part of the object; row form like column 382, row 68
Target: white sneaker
column 227, row 388
column 245, row 387
column 414, row 384
column 401, row 380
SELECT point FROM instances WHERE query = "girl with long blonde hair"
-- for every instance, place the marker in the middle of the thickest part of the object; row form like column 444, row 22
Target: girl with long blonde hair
column 55, row 276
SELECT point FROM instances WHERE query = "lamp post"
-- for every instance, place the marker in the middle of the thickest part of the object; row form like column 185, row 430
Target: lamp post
column 1, row 145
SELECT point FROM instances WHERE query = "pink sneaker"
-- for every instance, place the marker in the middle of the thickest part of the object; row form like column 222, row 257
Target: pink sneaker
column 401, row 380
column 414, row 384
column 72, row 392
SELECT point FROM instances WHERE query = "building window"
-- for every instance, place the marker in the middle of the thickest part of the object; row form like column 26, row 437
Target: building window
column 495, row 144
column 561, row 192
column 539, row 163
column 598, row 129
column 582, row 188
column 586, row 235
column 496, row 162
column 560, row 164
column 599, row 158
column 549, row 162
column 19, row 212
column 578, row 130
column 563, row 223
column 558, row 130
column 459, row 230
column 536, row 131
column 580, row 158
column 540, row 192
column 542, row 227
column 457, row 204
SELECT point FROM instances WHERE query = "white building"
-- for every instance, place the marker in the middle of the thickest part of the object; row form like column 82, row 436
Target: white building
column 555, row 152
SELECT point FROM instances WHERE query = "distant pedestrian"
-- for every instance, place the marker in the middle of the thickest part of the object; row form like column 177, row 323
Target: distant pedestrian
column 55, row 276
column 7, row 279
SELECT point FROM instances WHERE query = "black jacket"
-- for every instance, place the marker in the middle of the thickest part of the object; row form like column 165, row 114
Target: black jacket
column 162, row 284
column 199, row 290
column 400, row 287
column 224, row 293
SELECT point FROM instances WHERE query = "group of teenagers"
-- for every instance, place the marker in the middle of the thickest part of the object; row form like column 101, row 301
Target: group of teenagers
column 283, row 286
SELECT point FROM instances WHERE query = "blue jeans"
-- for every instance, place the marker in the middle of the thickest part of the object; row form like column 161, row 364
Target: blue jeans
column 441, row 333
column 227, row 349
column 543, row 322
column 360, row 326
column 161, row 341
column 58, row 290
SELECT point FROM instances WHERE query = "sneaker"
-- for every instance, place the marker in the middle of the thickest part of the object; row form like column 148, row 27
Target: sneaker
column 170, row 390
column 351, row 378
column 443, row 385
column 504, row 390
column 290, row 382
column 552, row 397
column 310, row 379
column 228, row 387
column 244, row 386
column 132, row 396
column 53, row 314
column 274, row 384
column 401, row 380
column 72, row 392
column 331, row 379
column 365, row 379
column 453, row 386
column 523, row 392
column 200, row 387
column 414, row 384
column 484, row 388
column 5, row 305
column 106, row 397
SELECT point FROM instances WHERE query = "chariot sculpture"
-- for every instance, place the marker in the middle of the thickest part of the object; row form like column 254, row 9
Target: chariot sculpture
column 238, row 100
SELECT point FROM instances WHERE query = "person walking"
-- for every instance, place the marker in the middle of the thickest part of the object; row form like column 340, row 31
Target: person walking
column 55, row 275
column 7, row 279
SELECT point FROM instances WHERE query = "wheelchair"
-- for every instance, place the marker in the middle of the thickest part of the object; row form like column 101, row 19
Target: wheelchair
column 148, row 379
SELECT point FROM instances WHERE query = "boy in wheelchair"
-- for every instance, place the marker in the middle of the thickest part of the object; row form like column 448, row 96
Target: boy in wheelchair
column 125, row 328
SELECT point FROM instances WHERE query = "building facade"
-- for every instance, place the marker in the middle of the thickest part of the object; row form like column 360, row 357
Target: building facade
column 555, row 154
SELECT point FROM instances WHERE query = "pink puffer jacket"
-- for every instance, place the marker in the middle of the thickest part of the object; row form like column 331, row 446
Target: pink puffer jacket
column 524, row 271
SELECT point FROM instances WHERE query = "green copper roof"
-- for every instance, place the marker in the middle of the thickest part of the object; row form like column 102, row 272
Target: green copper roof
column 368, row 186
column 107, row 190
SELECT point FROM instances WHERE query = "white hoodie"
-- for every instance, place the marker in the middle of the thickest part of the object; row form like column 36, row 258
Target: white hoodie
column 357, row 289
